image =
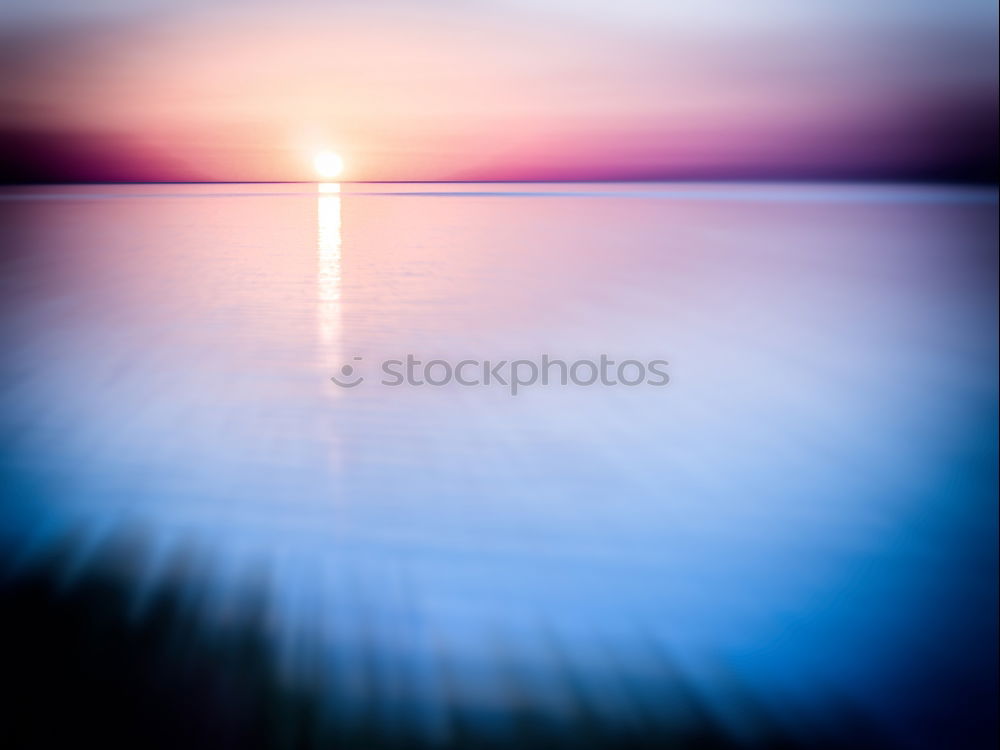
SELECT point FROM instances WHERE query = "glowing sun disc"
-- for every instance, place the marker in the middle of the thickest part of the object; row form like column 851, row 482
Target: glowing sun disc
column 328, row 164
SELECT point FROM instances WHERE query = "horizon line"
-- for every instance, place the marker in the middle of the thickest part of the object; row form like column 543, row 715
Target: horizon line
column 674, row 180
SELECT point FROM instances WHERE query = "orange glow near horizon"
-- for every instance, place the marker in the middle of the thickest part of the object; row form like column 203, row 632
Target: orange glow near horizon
column 328, row 164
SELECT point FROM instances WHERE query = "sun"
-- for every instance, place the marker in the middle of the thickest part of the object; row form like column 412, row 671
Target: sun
column 328, row 164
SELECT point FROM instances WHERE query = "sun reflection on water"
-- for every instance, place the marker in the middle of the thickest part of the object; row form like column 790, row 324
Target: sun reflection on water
column 329, row 277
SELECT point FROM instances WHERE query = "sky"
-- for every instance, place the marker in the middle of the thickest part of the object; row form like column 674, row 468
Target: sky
column 150, row 90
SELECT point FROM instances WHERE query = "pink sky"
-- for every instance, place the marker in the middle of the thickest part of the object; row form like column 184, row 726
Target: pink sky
column 501, row 91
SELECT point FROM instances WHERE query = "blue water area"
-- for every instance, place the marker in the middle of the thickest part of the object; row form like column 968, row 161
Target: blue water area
column 805, row 514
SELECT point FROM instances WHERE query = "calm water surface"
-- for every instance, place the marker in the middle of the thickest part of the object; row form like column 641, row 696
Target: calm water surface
column 809, row 504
